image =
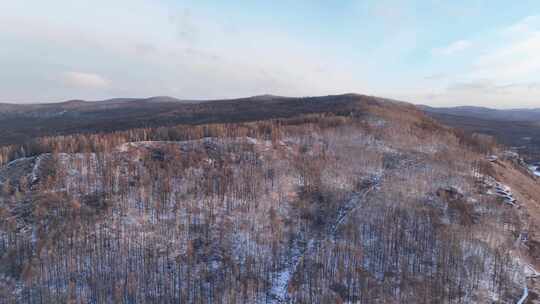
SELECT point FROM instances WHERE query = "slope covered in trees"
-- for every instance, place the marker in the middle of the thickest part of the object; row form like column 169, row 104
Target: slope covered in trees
column 20, row 123
column 370, row 202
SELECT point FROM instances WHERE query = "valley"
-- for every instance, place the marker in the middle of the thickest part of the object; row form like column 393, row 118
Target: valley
column 518, row 129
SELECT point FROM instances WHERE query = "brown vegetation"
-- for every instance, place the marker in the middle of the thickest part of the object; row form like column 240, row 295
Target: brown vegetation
column 378, row 204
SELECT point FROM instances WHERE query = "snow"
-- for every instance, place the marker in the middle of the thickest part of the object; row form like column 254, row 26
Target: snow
column 492, row 158
column 35, row 170
column 280, row 284
column 530, row 272
column 501, row 190
column 525, row 295
column 15, row 161
column 252, row 140
column 535, row 170
column 80, row 167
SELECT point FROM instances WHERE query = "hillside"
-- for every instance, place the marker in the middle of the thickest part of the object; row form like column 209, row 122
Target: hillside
column 20, row 123
column 336, row 199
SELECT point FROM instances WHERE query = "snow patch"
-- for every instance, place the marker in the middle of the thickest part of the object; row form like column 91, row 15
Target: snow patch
column 525, row 295
column 535, row 170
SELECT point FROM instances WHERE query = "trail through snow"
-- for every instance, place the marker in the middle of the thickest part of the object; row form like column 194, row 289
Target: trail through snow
column 524, row 296
column 281, row 280
column 280, row 285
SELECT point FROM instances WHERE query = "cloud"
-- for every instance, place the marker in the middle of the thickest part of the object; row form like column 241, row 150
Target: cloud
column 519, row 57
column 486, row 87
column 182, row 52
column 453, row 48
column 527, row 24
column 161, row 49
column 85, row 80
column 482, row 93
column 186, row 28
column 436, row 77
column 500, row 71
column 144, row 49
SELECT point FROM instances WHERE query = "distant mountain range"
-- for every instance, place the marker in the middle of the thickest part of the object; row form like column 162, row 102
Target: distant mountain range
column 518, row 128
column 487, row 113
column 21, row 122
column 40, row 109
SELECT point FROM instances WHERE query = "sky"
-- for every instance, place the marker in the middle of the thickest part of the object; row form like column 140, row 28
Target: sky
column 435, row 52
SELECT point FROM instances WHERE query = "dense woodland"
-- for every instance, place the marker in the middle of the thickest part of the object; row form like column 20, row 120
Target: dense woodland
column 375, row 206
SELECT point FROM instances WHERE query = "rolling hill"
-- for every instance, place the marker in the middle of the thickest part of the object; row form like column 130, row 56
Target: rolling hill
column 19, row 123
column 333, row 199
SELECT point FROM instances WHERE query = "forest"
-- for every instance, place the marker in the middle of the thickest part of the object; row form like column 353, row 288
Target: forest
column 375, row 204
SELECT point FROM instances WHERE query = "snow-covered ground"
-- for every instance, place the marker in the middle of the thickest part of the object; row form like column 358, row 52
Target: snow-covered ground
column 137, row 183
column 535, row 170
column 524, row 296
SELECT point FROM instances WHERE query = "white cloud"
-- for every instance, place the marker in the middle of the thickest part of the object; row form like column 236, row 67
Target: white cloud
column 184, row 53
column 453, row 48
column 525, row 25
column 518, row 58
column 85, row 80
column 158, row 49
column 500, row 71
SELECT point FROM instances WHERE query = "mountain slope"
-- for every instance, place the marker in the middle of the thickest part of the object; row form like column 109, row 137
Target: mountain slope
column 364, row 201
column 19, row 123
